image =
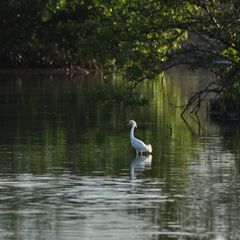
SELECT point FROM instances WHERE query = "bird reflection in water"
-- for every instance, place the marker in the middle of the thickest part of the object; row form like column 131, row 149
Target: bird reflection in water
column 140, row 164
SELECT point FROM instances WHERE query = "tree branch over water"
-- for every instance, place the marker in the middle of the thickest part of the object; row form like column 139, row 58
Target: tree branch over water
column 197, row 33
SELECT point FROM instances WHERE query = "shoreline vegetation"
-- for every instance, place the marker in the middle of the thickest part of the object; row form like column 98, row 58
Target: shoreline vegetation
column 72, row 70
column 140, row 41
column 220, row 109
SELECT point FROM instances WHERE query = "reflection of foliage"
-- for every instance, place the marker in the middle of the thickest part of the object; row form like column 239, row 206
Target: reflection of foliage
column 54, row 124
column 119, row 95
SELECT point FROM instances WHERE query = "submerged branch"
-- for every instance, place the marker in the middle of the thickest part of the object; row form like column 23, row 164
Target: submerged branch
column 214, row 87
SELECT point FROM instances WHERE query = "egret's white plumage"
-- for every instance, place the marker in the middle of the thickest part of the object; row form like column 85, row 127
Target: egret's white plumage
column 139, row 145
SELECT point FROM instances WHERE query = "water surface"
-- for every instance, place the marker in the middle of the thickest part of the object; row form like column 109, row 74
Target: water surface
column 67, row 170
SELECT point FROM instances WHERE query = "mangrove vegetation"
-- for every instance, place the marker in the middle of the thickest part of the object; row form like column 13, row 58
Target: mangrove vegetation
column 139, row 39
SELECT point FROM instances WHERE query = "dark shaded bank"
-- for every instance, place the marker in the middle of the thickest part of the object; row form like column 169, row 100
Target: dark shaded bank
column 69, row 70
column 222, row 109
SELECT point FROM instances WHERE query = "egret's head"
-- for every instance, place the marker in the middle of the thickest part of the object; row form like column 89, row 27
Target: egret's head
column 132, row 122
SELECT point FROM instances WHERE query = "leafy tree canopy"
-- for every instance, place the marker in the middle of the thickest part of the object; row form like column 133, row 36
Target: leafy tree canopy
column 140, row 38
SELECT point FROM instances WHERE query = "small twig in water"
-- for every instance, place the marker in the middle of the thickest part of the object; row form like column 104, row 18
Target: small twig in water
column 170, row 128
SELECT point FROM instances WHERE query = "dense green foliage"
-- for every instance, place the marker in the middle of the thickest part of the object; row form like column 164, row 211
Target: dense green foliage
column 46, row 32
column 139, row 38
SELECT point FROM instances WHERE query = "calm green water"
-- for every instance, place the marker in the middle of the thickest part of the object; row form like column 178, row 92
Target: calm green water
column 67, row 170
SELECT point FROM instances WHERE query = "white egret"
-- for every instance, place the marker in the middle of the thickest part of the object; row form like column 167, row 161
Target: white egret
column 139, row 145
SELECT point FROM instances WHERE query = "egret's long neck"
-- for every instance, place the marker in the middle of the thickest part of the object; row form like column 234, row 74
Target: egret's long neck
column 132, row 132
